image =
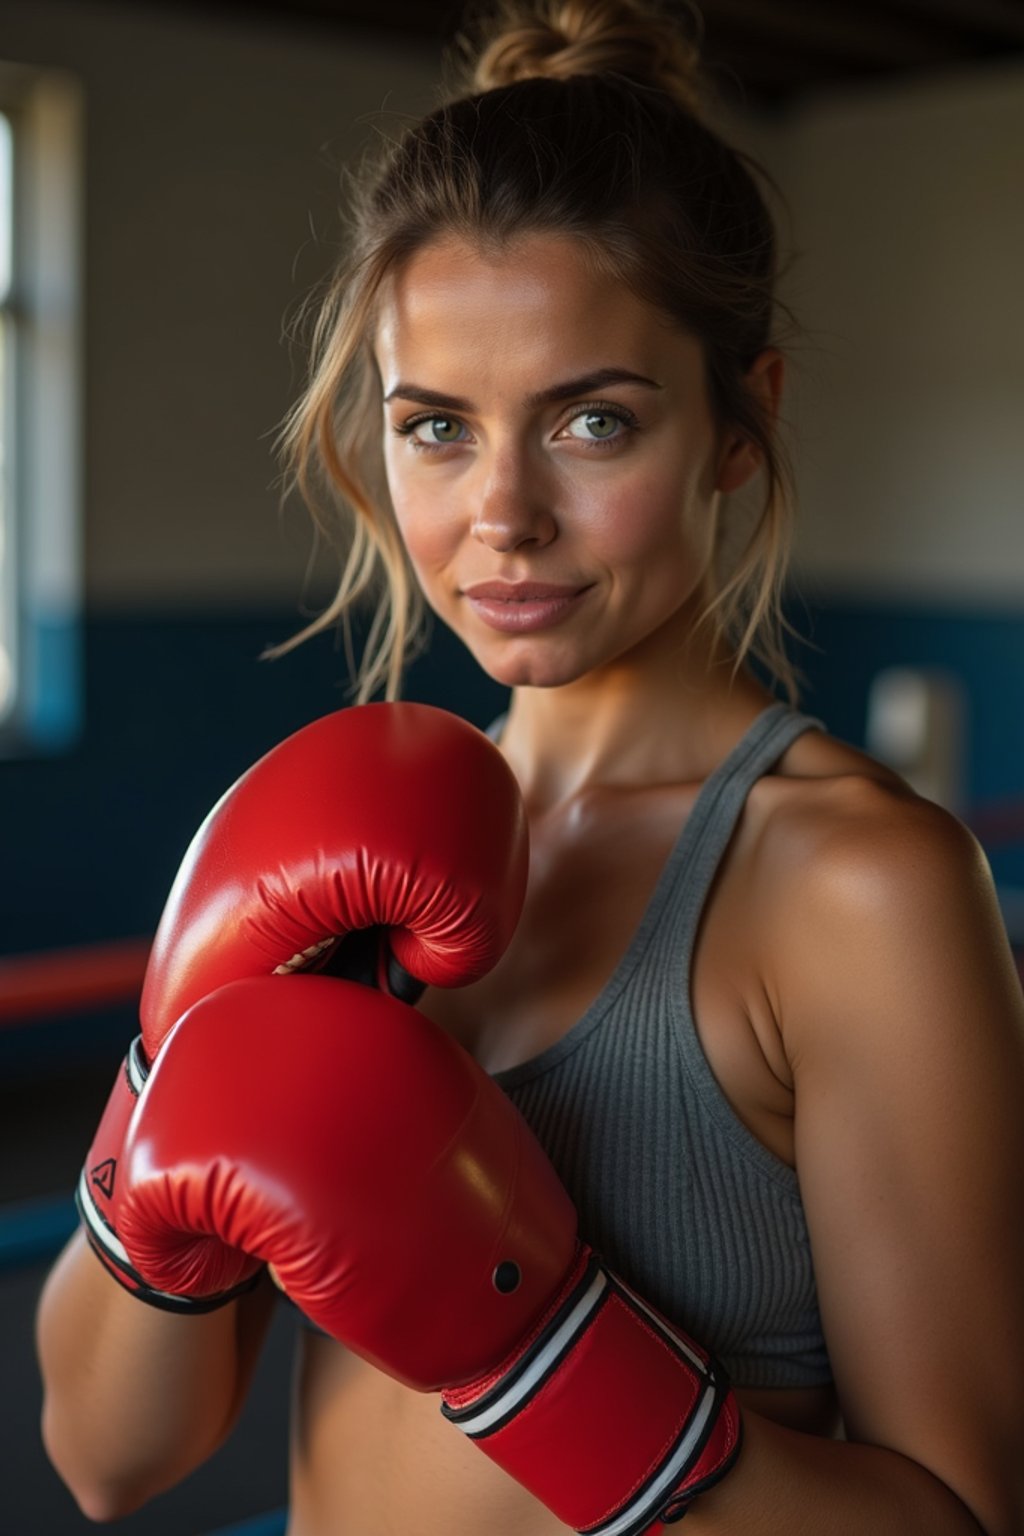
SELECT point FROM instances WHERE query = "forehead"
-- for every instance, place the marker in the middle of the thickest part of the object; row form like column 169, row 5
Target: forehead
column 536, row 304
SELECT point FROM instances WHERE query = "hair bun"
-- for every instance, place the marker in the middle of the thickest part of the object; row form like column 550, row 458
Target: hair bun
column 523, row 39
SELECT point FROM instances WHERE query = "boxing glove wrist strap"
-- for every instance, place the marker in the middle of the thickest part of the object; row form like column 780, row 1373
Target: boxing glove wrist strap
column 612, row 1417
column 98, row 1189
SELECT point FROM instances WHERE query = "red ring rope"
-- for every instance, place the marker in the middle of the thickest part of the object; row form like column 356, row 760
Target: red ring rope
column 66, row 980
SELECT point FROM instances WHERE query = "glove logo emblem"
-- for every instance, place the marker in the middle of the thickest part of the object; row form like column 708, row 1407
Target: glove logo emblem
column 103, row 1176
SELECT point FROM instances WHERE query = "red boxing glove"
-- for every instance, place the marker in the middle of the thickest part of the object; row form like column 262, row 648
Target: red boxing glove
column 407, row 1208
column 398, row 817
column 398, row 821
column 100, row 1192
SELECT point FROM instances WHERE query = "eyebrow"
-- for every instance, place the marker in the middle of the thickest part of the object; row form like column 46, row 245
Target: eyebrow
column 586, row 384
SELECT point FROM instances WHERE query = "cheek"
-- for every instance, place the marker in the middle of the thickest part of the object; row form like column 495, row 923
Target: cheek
column 645, row 515
column 423, row 513
column 429, row 537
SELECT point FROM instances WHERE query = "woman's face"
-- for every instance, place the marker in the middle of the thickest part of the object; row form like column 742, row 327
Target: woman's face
column 557, row 512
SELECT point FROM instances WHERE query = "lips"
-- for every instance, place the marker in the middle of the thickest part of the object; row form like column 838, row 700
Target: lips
column 524, row 607
column 520, row 591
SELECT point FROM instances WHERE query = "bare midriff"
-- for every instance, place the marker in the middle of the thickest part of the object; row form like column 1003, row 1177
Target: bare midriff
column 373, row 1458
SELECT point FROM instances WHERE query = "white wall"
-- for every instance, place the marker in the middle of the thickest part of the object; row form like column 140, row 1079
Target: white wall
column 909, row 402
column 211, row 154
column 210, row 151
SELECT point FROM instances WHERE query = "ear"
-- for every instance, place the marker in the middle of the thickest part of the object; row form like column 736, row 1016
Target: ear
column 740, row 459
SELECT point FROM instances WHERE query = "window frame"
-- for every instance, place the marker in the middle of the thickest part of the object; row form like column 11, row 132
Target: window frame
column 44, row 493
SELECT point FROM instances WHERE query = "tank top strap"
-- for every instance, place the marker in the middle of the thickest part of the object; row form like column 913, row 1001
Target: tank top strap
column 653, row 969
column 651, row 1151
column 690, row 868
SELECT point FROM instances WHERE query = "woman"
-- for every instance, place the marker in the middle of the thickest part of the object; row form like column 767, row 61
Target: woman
column 760, row 1008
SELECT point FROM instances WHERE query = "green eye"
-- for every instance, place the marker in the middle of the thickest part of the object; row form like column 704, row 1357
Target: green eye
column 603, row 425
column 445, row 423
column 409, row 429
column 607, row 423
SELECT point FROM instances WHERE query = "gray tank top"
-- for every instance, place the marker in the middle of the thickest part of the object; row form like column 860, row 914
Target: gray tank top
column 672, row 1189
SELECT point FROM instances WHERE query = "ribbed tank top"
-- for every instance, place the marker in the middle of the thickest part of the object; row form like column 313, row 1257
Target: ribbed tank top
column 672, row 1189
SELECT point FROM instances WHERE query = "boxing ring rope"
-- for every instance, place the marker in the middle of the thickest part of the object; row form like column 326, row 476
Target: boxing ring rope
column 71, row 980
column 998, row 823
column 34, row 1230
column 272, row 1524
column 41, row 986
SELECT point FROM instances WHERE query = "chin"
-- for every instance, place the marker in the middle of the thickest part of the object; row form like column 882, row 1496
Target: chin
column 532, row 679
column 526, row 671
column 523, row 675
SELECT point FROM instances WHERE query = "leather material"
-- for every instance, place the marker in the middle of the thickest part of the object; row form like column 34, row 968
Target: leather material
column 386, row 842
column 397, row 816
column 614, row 1418
column 328, row 1129
column 337, row 1133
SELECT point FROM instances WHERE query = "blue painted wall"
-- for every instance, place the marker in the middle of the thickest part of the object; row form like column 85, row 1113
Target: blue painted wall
column 176, row 708
column 983, row 648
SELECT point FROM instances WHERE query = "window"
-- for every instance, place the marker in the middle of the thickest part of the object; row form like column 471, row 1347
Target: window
column 40, row 410
column 8, row 595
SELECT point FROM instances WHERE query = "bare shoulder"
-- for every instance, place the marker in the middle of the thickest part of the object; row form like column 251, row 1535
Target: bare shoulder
column 820, row 775
column 895, row 992
column 837, row 810
column 861, row 872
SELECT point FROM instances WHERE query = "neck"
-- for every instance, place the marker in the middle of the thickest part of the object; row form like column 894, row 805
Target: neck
column 640, row 721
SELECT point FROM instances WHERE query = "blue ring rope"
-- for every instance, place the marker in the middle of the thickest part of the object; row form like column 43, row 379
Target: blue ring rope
column 31, row 1230
column 272, row 1524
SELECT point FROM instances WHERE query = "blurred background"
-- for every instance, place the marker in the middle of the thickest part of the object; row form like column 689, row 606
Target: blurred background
column 168, row 193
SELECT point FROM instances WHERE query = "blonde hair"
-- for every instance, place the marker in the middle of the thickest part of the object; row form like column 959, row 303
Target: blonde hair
column 668, row 208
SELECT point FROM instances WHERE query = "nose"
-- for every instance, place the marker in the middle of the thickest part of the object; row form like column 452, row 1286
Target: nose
column 512, row 505
column 512, row 513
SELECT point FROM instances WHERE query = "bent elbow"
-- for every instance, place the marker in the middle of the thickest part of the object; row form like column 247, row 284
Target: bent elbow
column 100, row 1503
column 97, row 1500
column 103, row 1503
column 99, row 1506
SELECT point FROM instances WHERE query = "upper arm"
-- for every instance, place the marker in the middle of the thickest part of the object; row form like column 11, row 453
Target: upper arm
column 903, row 1018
